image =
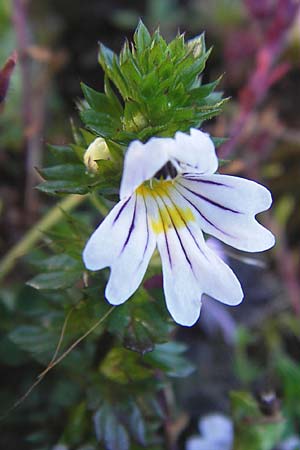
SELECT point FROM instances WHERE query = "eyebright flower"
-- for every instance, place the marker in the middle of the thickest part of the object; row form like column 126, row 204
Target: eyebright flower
column 216, row 434
column 169, row 195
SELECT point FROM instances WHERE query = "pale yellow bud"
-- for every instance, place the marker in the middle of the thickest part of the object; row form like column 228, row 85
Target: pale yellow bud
column 96, row 151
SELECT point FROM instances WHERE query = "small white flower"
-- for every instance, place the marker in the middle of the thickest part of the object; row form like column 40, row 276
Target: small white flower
column 291, row 443
column 169, row 194
column 216, row 434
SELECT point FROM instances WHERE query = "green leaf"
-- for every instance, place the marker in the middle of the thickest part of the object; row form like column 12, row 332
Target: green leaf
column 106, row 57
column 140, row 323
column 289, row 373
column 138, row 339
column 63, row 187
column 132, row 73
column 169, row 358
column 204, row 90
column 137, row 425
column 33, row 339
column 77, row 425
column 109, row 429
column 101, row 123
column 177, row 47
column 141, row 37
column 115, row 435
column 188, row 75
column 63, row 153
column 100, row 102
column 55, row 280
column 112, row 96
column 245, row 368
column 64, row 171
column 123, row 366
column 56, row 263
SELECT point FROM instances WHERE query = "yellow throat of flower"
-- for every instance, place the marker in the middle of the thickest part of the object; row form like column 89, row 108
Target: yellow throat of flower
column 170, row 215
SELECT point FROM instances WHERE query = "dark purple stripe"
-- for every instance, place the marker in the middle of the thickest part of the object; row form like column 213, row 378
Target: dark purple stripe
column 179, row 238
column 121, row 209
column 202, row 215
column 197, row 245
column 182, row 246
column 168, row 249
column 199, row 180
column 188, row 228
column 208, row 200
column 130, row 229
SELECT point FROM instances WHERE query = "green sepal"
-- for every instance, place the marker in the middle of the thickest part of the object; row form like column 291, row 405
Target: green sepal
column 101, row 103
column 141, row 37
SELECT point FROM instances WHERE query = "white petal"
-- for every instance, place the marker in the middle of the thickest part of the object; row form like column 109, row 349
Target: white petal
column 198, row 443
column 226, row 207
column 125, row 242
column 217, row 427
column 196, row 151
column 129, row 268
column 107, row 240
column 291, row 443
column 142, row 161
column 190, row 269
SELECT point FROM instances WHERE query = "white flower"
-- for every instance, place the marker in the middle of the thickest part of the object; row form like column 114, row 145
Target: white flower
column 216, row 434
column 59, row 447
column 169, row 194
column 291, row 443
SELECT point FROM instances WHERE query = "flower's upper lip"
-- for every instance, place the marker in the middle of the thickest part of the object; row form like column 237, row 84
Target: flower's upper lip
column 142, row 161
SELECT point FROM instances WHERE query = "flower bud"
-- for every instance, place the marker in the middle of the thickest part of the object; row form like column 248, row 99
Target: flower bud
column 96, row 151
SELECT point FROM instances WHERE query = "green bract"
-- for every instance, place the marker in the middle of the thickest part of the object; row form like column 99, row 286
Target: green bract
column 151, row 89
column 159, row 86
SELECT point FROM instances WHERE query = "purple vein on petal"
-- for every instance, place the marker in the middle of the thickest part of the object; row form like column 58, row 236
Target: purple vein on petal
column 185, row 222
column 121, row 210
column 192, row 177
column 202, row 215
column 179, row 238
column 208, row 200
column 131, row 228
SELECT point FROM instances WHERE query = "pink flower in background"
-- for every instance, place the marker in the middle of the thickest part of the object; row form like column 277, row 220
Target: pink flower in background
column 5, row 75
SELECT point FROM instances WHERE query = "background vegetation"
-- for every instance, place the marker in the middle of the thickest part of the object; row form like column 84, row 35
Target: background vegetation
column 246, row 359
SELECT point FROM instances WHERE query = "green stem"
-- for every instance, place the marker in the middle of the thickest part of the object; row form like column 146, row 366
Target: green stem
column 99, row 203
column 34, row 234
